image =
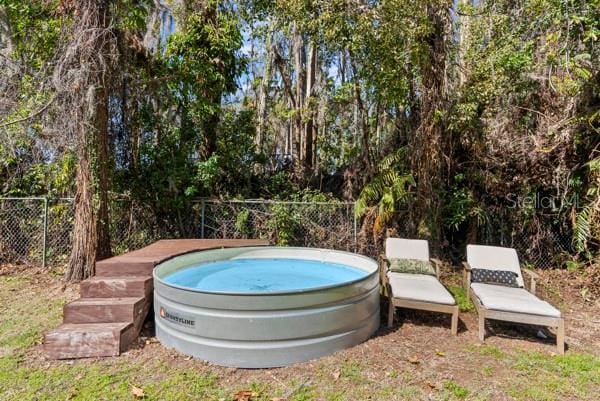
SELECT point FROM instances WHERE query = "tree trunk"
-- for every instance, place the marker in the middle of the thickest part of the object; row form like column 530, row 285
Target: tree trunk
column 6, row 44
column 263, row 92
column 362, row 125
column 91, row 239
column 377, row 128
column 90, row 55
column 464, row 21
column 291, row 144
column 428, row 146
column 83, row 252
column 209, row 132
column 298, row 54
column 102, row 160
column 212, row 95
column 309, row 128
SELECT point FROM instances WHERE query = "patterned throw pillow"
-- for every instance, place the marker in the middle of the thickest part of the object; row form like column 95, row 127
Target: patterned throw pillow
column 413, row 266
column 499, row 277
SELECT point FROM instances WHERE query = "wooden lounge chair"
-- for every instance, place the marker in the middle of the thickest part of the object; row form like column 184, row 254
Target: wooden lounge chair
column 501, row 302
column 416, row 291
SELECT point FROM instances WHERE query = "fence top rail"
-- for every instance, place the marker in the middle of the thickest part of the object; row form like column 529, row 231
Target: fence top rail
column 214, row 201
column 40, row 198
column 270, row 201
column 23, row 198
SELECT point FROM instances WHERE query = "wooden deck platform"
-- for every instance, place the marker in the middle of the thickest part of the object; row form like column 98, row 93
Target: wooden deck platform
column 114, row 303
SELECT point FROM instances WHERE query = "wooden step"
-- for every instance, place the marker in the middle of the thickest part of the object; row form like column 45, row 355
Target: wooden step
column 119, row 267
column 106, row 310
column 114, row 304
column 88, row 340
column 115, row 287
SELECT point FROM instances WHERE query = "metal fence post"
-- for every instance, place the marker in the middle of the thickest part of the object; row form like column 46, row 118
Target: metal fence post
column 45, row 234
column 355, row 227
column 202, row 207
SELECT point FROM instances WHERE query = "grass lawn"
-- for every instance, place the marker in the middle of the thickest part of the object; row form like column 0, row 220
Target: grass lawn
column 418, row 360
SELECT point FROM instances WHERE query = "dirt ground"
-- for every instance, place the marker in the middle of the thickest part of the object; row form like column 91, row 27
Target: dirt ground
column 416, row 359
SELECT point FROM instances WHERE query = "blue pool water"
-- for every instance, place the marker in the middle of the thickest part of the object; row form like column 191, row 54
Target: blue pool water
column 263, row 275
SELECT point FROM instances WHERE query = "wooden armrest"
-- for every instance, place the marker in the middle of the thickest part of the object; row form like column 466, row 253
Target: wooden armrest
column 383, row 278
column 467, row 276
column 384, row 261
column 531, row 273
column 533, row 277
column 437, row 264
column 384, row 268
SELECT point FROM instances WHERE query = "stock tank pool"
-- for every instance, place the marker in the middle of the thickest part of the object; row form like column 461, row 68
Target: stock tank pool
column 257, row 307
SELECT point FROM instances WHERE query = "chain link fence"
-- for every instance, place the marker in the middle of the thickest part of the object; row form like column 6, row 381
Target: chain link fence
column 544, row 240
column 317, row 224
column 59, row 228
column 38, row 231
column 22, row 230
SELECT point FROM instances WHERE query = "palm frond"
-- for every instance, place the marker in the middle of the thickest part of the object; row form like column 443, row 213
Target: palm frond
column 582, row 229
column 387, row 189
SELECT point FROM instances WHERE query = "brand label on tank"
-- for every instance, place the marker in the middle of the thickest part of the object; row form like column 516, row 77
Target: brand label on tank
column 176, row 318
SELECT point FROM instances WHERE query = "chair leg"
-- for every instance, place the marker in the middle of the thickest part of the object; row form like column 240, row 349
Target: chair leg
column 454, row 324
column 560, row 337
column 391, row 311
column 481, row 326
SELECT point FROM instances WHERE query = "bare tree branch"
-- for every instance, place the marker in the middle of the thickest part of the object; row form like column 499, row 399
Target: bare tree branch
column 29, row 117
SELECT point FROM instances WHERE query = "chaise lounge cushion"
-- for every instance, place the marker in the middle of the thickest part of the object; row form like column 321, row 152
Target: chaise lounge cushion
column 494, row 258
column 401, row 248
column 510, row 299
column 419, row 287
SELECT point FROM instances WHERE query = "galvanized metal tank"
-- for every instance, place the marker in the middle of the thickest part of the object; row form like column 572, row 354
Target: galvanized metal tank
column 259, row 330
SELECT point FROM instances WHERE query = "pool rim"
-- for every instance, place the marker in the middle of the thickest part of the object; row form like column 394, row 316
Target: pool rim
column 366, row 277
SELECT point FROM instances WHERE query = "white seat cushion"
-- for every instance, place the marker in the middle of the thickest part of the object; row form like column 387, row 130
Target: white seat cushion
column 494, row 258
column 402, row 248
column 511, row 299
column 419, row 287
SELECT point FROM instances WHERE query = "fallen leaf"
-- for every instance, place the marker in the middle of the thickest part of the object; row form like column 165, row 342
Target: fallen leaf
column 413, row 360
column 439, row 353
column 244, row 395
column 137, row 392
column 431, row 385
